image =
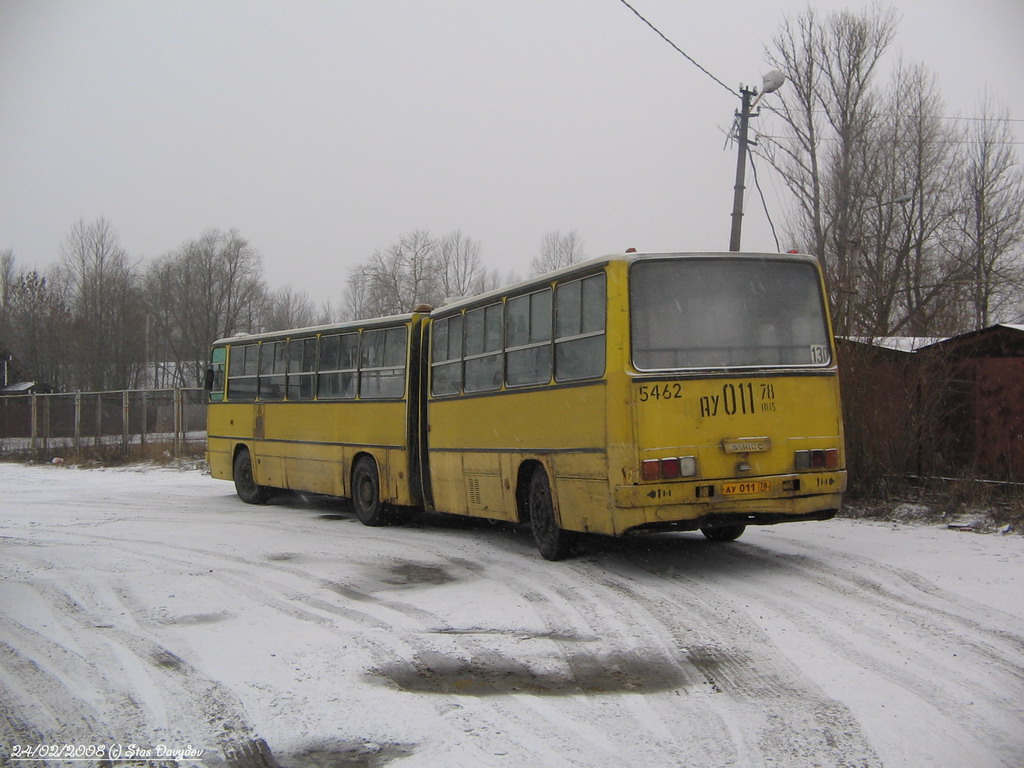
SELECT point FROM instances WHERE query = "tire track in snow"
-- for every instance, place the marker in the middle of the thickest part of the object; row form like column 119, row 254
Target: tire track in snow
column 670, row 603
column 838, row 611
column 667, row 728
column 787, row 718
column 986, row 670
column 187, row 695
column 411, row 633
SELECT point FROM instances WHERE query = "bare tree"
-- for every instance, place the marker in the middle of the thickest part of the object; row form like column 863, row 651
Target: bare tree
column 38, row 326
column 288, row 308
column 8, row 278
column 828, row 109
column 917, row 224
column 394, row 280
column 100, row 285
column 356, row 297
column 415, row 257
column 901, row 280
column 207, row 289
column 460, row 270
column 557, row 251
column 33, row 324
column 418, row 269
column 988, row 219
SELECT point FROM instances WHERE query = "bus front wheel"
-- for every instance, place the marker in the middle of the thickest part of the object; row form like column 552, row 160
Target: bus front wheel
column 553, row 542
column 245, row 484
column 366, row 494
column 724, row 533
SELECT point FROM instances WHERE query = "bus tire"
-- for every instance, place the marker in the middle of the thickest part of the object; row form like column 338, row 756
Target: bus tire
column 553, row 542
column 245, row 484
column 366, row 494
column 724, row 533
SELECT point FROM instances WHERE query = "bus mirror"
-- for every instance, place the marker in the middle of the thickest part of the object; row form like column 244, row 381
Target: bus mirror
column 208, row 381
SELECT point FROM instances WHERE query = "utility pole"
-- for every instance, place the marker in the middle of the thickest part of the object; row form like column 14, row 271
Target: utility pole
column 741, row 167
column 772, row 82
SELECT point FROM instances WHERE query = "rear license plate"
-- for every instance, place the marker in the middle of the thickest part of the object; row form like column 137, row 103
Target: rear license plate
column 746, row 488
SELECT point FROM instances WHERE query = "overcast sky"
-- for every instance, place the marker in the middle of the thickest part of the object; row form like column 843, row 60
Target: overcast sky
column 325, row 130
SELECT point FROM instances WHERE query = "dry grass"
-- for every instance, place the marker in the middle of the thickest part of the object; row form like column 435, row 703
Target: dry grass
column 957, row 504
column 111, row 455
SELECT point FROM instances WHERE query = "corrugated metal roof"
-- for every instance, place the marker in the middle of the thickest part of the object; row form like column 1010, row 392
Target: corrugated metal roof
column 898, row 343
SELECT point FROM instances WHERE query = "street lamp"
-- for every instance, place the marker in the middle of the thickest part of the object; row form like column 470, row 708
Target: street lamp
column 771, row 83
column 904, row 198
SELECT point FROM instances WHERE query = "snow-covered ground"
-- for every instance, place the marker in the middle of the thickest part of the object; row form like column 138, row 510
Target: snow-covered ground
column 150, row 607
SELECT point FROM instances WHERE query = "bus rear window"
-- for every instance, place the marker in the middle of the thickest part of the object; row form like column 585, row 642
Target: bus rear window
column 726, row 313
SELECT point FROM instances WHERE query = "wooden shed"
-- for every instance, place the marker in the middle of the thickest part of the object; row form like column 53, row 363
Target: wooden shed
column 983, row 413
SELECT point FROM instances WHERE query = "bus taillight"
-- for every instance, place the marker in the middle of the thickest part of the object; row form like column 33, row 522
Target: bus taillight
column 671, row 468
column 818, row 458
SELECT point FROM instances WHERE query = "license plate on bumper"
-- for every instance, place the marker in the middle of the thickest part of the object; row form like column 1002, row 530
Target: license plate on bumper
column 746, row 488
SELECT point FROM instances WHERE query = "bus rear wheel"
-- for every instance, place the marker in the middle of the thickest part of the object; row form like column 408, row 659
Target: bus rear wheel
column 370, row 509
column 553, row 542
column 245, row 484
column 724, row 533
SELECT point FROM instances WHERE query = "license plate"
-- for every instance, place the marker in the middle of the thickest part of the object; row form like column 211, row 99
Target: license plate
column 747, row 445
column 746, row 488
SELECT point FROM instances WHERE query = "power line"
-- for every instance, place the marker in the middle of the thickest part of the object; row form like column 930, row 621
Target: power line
column 957, row 142
column 680, row 50
column 917, row 116
column 978, row 119
column 764, row 203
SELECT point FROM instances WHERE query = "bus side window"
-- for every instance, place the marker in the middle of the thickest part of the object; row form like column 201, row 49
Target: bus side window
column 338, row 367
column 214, row 383
column 446, row 356
column 242, row 372
column 579, row 329
column 301, row 368
column 528, row 339
column 483, row 348
column 382, row 363
column 273, row 367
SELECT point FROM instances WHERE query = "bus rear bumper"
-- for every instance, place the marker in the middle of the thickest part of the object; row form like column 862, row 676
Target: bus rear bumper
column 723, row 519
column 694, row 505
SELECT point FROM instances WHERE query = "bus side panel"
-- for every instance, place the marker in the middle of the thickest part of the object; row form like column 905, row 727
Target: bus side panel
column 228, row 424
column 316, row 469
column 218, row 458
column 312, row 446
column 477, row 445
column 446, row 483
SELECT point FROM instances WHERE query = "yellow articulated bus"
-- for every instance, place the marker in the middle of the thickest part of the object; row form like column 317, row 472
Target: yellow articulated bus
column 629, row 393
column 327, row 410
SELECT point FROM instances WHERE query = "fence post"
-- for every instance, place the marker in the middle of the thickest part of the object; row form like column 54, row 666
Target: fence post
column 145, row 421
column 124, row 421
column 46, row 423
column 178, row 422
column 35, row 427
column 78, row 421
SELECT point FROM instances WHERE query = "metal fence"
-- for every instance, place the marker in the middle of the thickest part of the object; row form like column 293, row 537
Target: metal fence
column 126, row 422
